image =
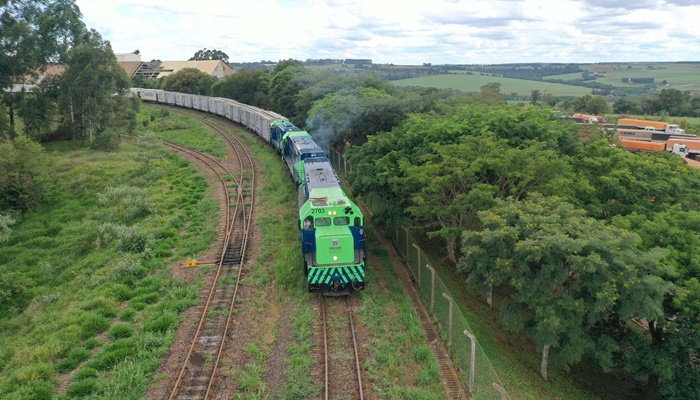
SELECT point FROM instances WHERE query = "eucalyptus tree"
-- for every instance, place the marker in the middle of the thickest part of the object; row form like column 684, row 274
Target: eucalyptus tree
column 88, row 88
column 33, row 34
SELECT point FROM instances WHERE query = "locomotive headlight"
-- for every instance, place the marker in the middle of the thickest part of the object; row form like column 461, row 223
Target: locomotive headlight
column 330, row 212
column 335, row 212
column 335, row 258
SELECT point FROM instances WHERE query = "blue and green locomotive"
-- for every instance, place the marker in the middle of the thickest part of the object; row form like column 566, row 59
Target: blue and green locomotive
column 332, row 226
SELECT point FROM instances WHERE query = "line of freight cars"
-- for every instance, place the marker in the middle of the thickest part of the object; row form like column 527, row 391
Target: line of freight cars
column 331, row 226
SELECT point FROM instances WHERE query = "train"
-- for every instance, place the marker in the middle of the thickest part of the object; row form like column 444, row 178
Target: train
column 331, row 225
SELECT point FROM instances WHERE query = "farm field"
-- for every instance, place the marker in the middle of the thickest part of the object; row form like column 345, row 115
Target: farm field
column 680, row 76
column 473, row 83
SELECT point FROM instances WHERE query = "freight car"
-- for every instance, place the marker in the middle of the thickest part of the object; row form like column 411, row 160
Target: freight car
column 331, row 226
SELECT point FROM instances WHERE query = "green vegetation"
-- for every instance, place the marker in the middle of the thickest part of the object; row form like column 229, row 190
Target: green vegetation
column 514, row 180
column 70, row 274
column 472, row 83
column 680, row 76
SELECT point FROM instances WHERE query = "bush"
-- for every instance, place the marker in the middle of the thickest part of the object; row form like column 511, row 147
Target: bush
column 128, row 270
column 106, row 141
column 129, row 238
column 14, row 294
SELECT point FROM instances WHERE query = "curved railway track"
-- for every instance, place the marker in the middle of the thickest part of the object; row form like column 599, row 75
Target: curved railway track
column 199, row 367
column 339, row 382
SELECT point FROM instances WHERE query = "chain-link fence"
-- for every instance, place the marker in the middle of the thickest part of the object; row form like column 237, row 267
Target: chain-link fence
column 476, row 372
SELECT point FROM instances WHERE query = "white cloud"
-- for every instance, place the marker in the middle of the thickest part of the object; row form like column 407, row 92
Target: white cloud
column 402, row 31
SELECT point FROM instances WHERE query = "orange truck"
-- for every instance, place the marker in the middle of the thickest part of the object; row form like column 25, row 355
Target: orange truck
column 652, row 125
column 590, row 119
column 639, row 145
column 684, row 148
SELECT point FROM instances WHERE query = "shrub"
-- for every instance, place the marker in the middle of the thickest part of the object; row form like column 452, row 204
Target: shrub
column 128, row 270
column 129, row 238
column 106, row 141
column 129, row 202
column 14, row 293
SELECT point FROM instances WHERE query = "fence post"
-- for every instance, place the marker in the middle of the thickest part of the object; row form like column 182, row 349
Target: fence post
column 449, row 335
column 472, row 360
column 397, row 237
column 432, row 288
column 502, row 391
column 407, row 257
column 418, row 248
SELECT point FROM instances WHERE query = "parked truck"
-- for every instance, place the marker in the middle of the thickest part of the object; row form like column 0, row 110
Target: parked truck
column 683, row 148
column 590, row 119
column 649, row 125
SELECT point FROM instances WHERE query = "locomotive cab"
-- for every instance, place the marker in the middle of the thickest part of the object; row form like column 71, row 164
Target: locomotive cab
column 332, row 230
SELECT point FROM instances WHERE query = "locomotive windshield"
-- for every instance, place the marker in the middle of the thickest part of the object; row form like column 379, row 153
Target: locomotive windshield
column 323, row 222
column 340, row 221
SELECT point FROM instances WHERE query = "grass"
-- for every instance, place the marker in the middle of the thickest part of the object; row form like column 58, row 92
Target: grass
column 77, row 280
column 681, row 76
column 473, row 83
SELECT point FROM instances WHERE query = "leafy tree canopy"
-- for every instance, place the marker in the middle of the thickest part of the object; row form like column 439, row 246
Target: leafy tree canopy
column 565, row 273
column 249, row 86
column 189, row 80
column 206, row 54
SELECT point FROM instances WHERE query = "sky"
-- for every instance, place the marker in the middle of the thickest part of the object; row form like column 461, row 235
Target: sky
column 403, row 32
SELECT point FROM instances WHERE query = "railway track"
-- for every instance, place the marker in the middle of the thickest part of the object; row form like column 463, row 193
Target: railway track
column 340, row 382
column 199, row 368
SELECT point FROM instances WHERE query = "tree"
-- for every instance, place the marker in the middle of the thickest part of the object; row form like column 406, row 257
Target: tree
column 189, row 80
column 564, row 273
column 491, row 94
column 626, row 106
column 597, row 105
column 34, row 34
column 668, row 354
column 286, row 87
column 88, row 86
column 206, row 54
column 21, row 176
column 247, row 86
column 535, row 96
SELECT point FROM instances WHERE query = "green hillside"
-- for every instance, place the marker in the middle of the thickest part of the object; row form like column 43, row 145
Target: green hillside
column 473, row 83
column 681, row 76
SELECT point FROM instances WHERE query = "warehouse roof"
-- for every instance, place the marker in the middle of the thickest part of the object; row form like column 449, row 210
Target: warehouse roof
column 215, row 68
column 130, row 66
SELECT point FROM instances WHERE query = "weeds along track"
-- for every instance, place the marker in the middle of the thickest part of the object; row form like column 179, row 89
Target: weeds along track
column 342, row 373
column 199, row 367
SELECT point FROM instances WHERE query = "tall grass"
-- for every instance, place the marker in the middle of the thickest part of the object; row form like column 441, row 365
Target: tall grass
column 77, row 277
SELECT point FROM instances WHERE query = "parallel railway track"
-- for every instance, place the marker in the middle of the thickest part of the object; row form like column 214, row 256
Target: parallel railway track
column 199, row 368
column 338, row 343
